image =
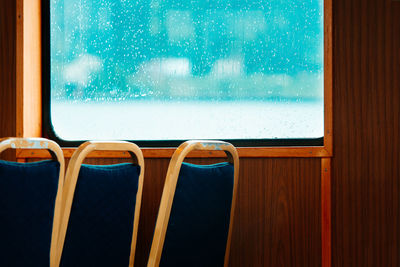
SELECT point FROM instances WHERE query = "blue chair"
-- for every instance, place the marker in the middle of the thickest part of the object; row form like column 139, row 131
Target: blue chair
column 194, row 223
column 30, row 198
column 101, row 206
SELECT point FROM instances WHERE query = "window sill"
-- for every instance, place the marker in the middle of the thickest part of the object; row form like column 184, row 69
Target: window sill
column 244, row 152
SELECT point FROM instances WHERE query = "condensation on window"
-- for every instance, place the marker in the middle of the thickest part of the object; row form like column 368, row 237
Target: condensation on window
column 179, row 69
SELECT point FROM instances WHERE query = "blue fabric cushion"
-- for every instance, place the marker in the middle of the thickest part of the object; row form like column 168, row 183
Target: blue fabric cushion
column 27, row 198
column 101, row 222
column 199, row 222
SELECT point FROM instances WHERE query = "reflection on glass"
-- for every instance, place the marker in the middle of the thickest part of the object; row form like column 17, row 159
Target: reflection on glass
column 179, row 69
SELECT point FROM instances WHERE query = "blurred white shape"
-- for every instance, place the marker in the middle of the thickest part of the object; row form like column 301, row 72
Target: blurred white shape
column 227, row 67
column 81, row 69
column 158, row 67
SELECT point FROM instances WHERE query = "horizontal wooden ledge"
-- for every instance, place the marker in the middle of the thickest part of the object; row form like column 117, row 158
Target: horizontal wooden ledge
column 244, row 152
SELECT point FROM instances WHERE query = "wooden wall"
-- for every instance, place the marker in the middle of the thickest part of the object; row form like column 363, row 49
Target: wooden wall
column 278, row 216
column 365, row 177
column 7, row 71
column 277, row 221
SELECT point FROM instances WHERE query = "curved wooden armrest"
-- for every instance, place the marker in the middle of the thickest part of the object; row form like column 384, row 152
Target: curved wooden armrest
column 169, row 191
column 72, row 177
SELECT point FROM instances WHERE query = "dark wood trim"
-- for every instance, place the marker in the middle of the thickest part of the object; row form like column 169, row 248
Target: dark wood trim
column 326, row 227
column 328, row 77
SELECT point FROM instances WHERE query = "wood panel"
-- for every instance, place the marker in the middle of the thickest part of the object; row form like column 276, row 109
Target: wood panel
column 278, row 216
column 278, row 219
column 365, row 167
column 7, row 71
column 277, row 222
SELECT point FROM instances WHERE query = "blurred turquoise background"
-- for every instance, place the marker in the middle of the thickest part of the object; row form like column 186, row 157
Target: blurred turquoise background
column 221, row 50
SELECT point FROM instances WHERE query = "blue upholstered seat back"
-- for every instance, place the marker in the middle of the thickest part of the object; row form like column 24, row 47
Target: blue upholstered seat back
column 199, row 221
column 101, row 221
column 27, row 199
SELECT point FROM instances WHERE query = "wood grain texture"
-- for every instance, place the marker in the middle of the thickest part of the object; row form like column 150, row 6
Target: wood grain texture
column 278, row 219
column 7, row 72
column 365, row 167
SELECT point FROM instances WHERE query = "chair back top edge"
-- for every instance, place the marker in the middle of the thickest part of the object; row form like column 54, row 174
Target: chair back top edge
column 36, row 143
column 33, row 143
column 185, row 148
column 84, row 149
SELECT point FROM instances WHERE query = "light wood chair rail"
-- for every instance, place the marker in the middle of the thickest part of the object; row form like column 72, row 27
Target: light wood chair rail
column 57, row 154
column 72, row 177
column 169, row 191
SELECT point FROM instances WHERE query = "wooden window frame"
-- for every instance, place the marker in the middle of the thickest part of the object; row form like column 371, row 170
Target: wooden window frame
column 29, row 94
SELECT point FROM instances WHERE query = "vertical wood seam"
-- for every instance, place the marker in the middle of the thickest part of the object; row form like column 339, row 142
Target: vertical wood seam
column 19, row 68
column 326, row 229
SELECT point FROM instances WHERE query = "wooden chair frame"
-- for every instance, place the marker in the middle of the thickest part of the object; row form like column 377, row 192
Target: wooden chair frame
column 56, row 154
column 72, row 178
column 169, row 191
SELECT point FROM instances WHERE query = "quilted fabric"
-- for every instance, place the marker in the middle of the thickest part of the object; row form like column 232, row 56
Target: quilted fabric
column 199, row 221
column 27, row 198
column 101, row 222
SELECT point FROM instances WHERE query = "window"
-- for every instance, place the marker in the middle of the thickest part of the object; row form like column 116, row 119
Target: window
column 251, row 71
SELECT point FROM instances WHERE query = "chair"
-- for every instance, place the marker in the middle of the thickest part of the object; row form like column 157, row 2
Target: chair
column 30, row 198
column 101, row 205
column 194, row 223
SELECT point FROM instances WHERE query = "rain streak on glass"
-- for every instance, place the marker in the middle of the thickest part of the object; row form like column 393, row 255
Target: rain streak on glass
column 179, row 69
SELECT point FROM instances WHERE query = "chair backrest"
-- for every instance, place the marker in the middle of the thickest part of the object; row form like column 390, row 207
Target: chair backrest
column 194, row 223
column 30, row 205
column 101, row 205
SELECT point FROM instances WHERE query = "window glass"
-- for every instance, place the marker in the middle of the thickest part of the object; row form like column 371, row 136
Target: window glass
column 180, row 69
